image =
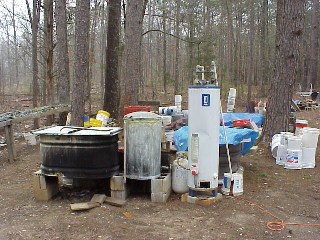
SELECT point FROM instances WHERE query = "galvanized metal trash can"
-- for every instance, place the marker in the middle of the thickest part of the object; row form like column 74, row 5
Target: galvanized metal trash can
column 142, row 133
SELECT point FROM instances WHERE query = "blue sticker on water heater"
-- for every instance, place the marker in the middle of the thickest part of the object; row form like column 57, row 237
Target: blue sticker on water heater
column 205, row 100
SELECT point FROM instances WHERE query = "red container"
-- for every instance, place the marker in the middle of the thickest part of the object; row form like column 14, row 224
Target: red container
column 241, row 123
column 131, row 109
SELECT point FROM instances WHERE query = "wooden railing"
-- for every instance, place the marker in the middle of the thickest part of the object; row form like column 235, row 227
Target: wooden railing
column 8, row 125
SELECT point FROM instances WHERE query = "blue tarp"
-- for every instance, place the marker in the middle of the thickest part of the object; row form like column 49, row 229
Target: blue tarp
column 235, row 137
column 254, row 117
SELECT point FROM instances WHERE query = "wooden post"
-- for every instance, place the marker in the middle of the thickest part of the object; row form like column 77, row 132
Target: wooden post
column 10, row 142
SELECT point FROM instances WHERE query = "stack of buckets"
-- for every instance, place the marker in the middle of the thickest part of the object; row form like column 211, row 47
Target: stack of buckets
column 296, row 151
column 231, row 99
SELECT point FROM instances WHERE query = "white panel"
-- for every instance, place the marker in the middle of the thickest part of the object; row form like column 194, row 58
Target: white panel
column 204, row 121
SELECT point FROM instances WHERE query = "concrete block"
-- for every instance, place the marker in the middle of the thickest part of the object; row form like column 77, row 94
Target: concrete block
column 120, row 194
column 45, row 187
column 117, row 183
column 160, row 197
column 161, row 184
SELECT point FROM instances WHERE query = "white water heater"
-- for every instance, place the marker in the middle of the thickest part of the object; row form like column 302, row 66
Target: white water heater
column 203, row 144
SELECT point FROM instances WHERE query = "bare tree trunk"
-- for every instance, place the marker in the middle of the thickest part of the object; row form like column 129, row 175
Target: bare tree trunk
column 263, row 48
column 16, row 59
column 103, row 47
column 80, row 76
column 230, row 42
column 112, row 86
column 290, row 22
column 314, row 42
column 92, row 60
column 35, row 83
column 177, row 81
column 251, row 46
column 63, row 78
column 48, row 48
column 164, row 39
column 132, row 54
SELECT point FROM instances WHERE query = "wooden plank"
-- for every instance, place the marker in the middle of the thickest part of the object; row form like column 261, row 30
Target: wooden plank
column 5, row 123
column 83, row 206
column 42, row 114
column 295, row 106
column 98, row 198
column 10, row 143
column 115, row 202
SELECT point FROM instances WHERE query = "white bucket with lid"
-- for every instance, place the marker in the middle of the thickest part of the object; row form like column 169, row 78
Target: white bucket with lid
column 284, row 137
column 308, row 157
column 180, row 176
column 294, row 159
column 300, row 124
column 237, row 184
column 294, row 143
column 232, row 92
column 310, row 137
column 274, row 144
column 281, row 155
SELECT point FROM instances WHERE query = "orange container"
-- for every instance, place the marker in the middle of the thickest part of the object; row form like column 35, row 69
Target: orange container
column 131, row 109
column 241, row 123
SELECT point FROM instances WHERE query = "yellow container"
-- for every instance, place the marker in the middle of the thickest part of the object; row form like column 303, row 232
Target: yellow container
column 94, row 122
column 103, row 116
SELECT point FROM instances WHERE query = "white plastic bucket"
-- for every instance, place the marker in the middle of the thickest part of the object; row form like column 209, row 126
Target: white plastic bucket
column 232, row 92
column 281, row 155
column 237, row 184
column 284, row 137
column 294, row 159
column 274, row 144
column 310, row 137
column 231, row 101
column 294, row 143
column 230, row 108
column 180, row 176
column 300, row 124
column 308, row 157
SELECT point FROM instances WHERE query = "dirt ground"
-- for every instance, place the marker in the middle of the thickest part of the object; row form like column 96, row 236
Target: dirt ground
column 291, row 195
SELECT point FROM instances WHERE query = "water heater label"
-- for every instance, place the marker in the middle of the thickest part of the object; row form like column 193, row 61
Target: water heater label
column 205, row 100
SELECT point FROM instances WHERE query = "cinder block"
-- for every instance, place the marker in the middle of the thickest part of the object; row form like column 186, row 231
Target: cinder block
column 45, row 187
column 120, row 194
column 117, row 183
column 160, row 197
column 161, row 184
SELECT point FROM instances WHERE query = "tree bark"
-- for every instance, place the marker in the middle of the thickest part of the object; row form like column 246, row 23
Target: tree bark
column 177, row 81
column 112, row 86
column 290, row 22
column 132, row 54
column 35, row 82
column 314, row 42
column 63, row 74
column 80, row 76
column 48, row 48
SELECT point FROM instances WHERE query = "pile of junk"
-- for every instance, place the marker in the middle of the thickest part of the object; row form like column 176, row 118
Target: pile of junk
column 206, row 143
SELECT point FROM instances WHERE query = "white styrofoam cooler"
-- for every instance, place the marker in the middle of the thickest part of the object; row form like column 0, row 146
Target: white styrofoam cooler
column 203, row 144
